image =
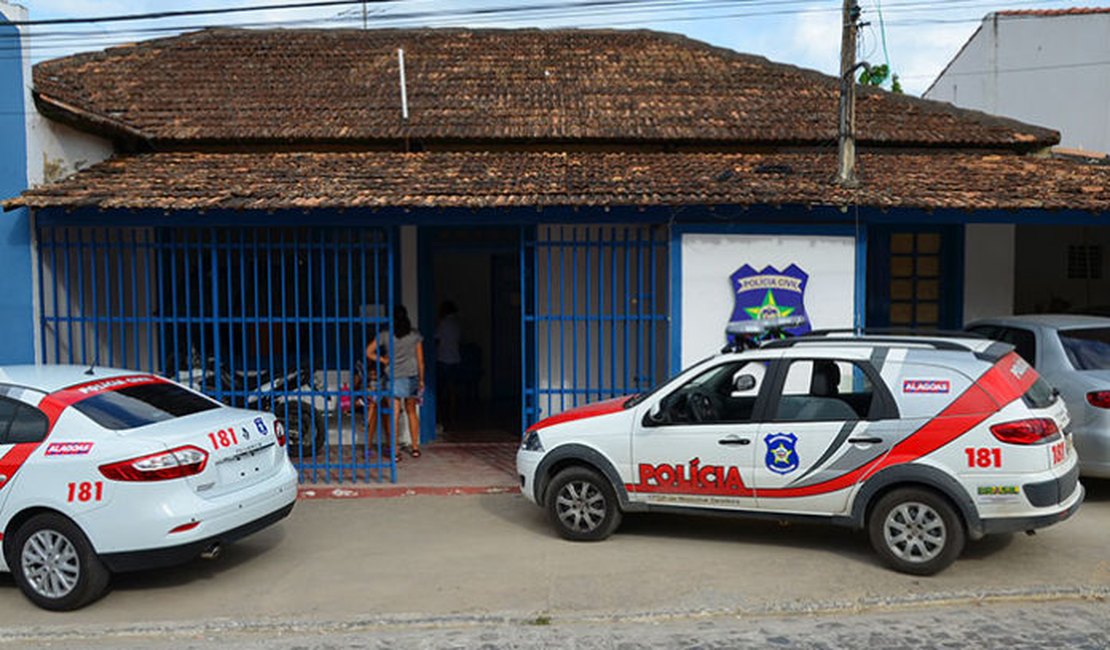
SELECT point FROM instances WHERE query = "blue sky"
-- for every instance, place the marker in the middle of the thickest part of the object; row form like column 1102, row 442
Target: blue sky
column 920, row 36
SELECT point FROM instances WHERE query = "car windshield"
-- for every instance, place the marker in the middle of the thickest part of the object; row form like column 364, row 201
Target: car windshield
column 1087, row 349
column 138, row 406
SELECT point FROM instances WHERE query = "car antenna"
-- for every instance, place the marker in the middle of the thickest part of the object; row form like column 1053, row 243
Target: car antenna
column 96, row 362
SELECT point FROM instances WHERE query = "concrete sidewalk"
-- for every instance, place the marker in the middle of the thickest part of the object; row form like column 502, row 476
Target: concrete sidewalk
column 444, row 468
column 433, row 560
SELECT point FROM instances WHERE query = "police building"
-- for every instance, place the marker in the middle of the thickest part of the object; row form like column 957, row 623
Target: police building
column 243, row 209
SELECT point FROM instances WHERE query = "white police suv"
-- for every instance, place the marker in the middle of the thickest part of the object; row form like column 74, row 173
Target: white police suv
column 106, row 470
column 922, row 441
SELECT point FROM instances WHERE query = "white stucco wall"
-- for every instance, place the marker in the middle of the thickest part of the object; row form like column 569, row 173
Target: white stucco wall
column 988, row 270
column 708, row 261
column 1051, row 71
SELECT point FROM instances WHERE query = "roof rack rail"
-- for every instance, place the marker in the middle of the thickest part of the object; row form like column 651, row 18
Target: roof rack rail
column 936, row 344
column 895, row 331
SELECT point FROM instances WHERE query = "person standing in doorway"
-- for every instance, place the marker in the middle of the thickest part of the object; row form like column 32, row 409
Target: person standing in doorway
column 448, row 360
column 408, row 371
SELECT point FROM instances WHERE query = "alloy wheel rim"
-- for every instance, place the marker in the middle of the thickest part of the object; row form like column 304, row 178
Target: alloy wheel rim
column 580, row 505
column 915, row 532
column 50, row 564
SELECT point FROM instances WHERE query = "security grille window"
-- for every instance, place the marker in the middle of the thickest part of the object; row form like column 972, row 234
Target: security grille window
column 1085, row 262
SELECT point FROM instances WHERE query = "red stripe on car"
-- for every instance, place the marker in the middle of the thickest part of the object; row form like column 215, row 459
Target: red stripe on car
column 582, row 412
column 1004, row 382
column 14, row 459
column 55, row 403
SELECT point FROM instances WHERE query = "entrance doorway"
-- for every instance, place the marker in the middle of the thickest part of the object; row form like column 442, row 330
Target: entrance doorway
column 477, row 270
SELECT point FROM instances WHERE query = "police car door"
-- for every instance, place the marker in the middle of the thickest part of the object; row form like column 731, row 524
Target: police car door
column 823, row 430
column 22, row 428
column 694, row 445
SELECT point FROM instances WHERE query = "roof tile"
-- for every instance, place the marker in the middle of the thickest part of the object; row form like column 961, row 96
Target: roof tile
column 297, row 86
column 337, row 180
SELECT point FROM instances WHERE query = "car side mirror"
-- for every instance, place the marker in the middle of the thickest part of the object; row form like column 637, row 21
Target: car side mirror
column 654, row 415
column 743, row 383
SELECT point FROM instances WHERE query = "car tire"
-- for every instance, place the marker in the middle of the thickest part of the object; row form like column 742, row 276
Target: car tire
column 582, row 505
column 916, row 531
column 54, row 564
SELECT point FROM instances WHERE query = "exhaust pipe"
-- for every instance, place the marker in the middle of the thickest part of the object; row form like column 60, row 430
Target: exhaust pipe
column 212, row 552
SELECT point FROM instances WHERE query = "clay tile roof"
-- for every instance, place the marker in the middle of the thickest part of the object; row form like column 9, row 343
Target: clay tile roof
column 313, row 86
column 304, row 180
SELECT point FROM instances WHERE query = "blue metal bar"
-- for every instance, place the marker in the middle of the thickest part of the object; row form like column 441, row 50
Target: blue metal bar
column 214, row 262
column 562, row 328
column 69, row 297
column 629, row 370
column 587, row 254
column 95, row 306
column 653, row 310
column 54, row 294
column 392, row 357
column 256, row 317
column 574, row 310
column 134, row 332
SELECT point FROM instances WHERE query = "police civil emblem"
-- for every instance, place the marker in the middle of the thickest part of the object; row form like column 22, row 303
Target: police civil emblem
column 781, row 456
column 770, row 293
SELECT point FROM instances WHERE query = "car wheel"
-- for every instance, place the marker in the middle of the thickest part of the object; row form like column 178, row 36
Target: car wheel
column 54, row 564
column 583, row 505
column 306, row 431
column 916, row 531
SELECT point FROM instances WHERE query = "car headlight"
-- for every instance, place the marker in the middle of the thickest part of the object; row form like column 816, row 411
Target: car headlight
column 531, row 441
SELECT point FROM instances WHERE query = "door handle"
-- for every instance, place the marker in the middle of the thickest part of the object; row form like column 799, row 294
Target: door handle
column 865, row 441
column 734, row 441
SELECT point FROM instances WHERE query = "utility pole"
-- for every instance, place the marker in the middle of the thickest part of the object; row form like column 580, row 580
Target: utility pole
column 846, row 168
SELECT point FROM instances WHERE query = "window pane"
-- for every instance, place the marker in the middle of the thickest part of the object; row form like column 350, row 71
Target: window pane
column 901, row 289
column 928, row 243
column 7, row 412
column 1087, row 349
column 928, row 267
column 901, row 267
column 137, row 406
column 824, row 390
column 901, row 243
column 29, row 425
column 722, row 394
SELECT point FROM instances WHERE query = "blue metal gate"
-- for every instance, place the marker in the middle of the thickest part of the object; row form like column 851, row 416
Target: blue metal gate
column 595, row 314
column 276, row 319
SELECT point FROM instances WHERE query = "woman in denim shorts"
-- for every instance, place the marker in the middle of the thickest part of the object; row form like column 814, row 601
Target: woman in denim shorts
column 407, row 350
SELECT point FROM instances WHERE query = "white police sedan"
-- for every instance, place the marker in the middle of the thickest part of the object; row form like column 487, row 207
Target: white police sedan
column 105, row 470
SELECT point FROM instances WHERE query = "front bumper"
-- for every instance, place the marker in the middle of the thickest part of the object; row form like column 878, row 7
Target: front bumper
column 1016, row 524
column 526, row 464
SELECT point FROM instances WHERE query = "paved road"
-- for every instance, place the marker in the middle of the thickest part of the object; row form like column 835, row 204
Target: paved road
column 1006, row 626
column 466, row 560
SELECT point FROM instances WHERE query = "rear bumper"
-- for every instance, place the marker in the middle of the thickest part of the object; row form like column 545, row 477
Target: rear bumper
column 173, row 555
column 1017, row 524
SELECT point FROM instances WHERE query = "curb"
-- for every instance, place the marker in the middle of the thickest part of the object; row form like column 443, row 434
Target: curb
column 281, row 626
column 335, row 492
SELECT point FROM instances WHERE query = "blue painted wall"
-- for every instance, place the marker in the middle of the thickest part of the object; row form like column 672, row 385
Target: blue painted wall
column 17, row 320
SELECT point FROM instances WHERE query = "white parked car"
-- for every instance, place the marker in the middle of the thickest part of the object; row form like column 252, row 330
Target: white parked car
column 104, row 471
column 924, row 442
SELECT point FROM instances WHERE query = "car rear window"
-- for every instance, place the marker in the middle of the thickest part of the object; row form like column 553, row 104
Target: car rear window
column 1087, row 349
column 138, row 406
column 1040, row 395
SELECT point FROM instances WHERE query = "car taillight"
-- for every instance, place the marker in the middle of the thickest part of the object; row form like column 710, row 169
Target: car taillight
column 1025, row 432
column 1099, row 398
column 175, row 463
column 279, row 432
